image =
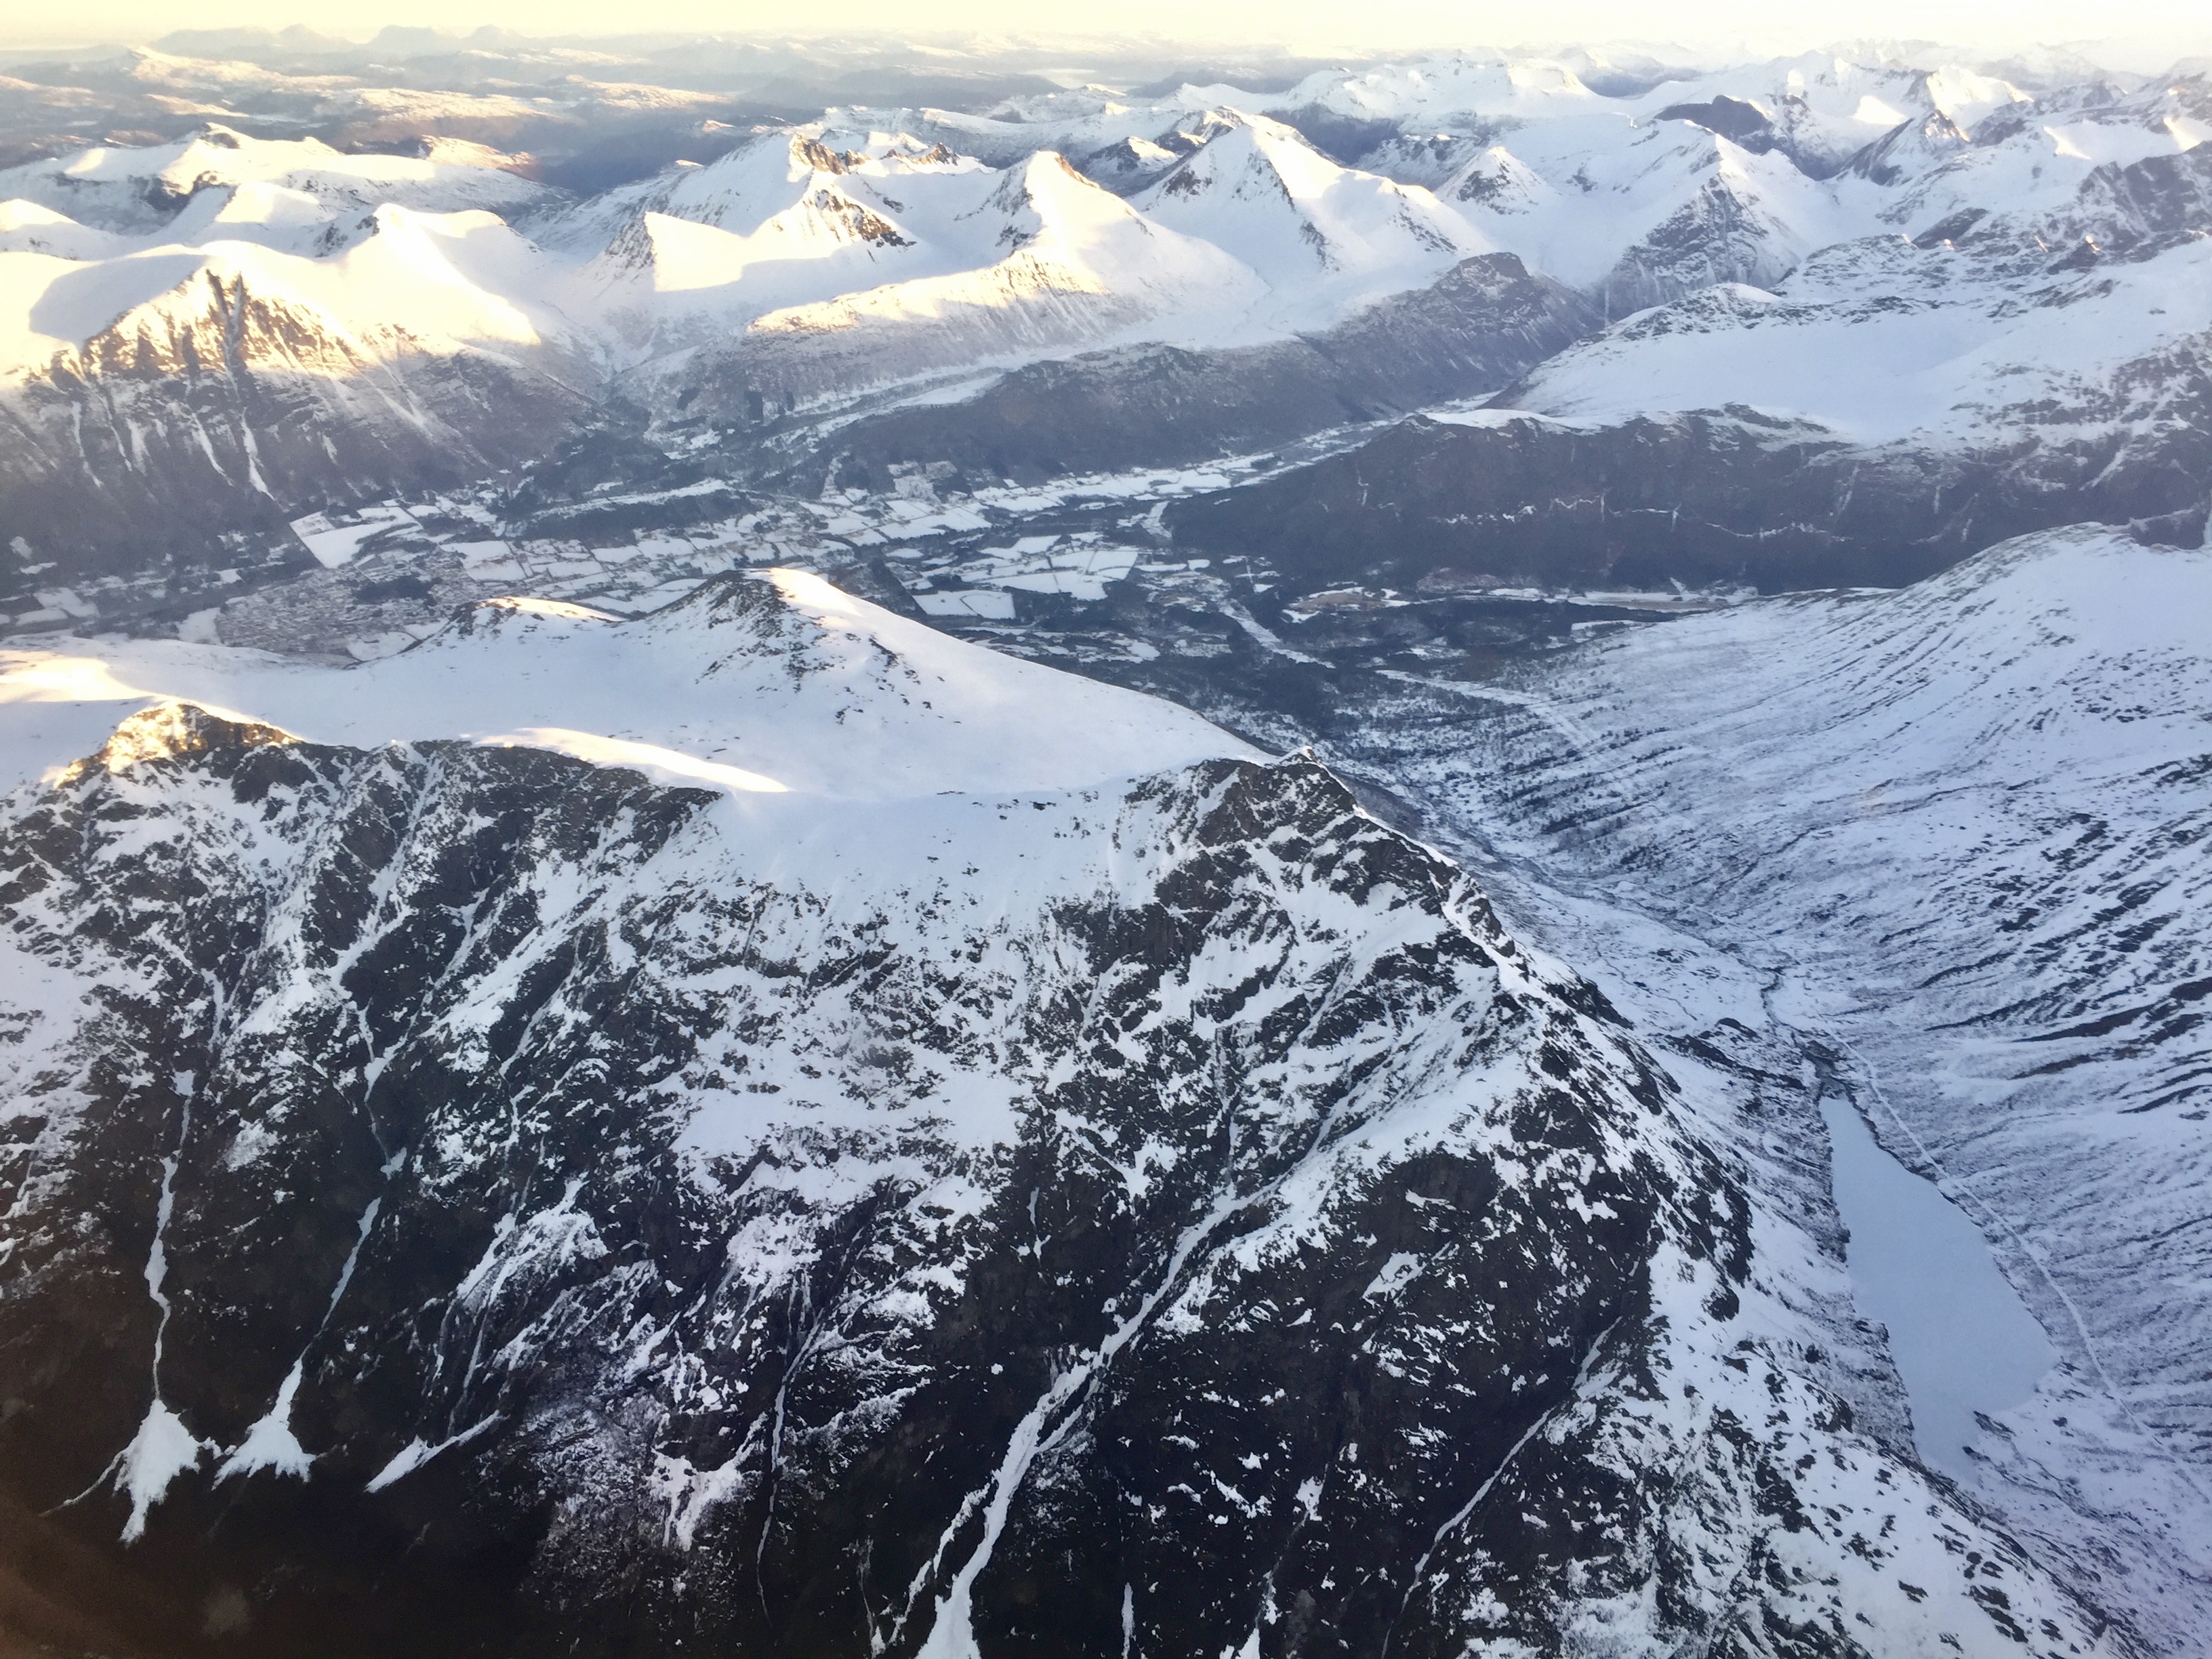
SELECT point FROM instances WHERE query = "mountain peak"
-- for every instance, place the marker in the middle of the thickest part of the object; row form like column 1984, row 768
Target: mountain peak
column 1259, row 189
column 172, row 729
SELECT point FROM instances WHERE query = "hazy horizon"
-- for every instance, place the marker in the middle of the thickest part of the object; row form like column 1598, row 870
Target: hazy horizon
column 2158, row 35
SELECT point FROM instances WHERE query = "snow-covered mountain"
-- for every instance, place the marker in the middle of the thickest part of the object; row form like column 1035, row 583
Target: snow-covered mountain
column 299, row 312
column 1975, row 363
column 954, row 266
column 729, row 686
column 140, row 190
column 170, row 390
column 804, row 274
column 1314, row 231
column 781, row 220
column 950, row 1158
column 2012, row 336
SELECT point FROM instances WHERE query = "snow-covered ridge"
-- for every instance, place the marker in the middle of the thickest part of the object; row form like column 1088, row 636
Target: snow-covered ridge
column 783, row 233
column 785, row 270
column 136, row 192
column 777, row 683
column 392, row 284
column 878, row 254
column 1259, row 190
column 109, row 253
column 1604, row 193
column 1880, row 341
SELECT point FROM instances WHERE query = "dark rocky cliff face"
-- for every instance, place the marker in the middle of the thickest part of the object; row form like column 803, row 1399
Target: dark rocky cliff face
column 231, row 411
column 1488, row 321
column 1726, row 496
column 467, row 1200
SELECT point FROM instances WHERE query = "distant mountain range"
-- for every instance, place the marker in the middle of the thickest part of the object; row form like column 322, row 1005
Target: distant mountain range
column 1899, row 264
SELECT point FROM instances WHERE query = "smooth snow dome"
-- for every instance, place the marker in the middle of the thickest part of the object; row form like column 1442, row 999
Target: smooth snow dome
column 1963, row 1340
column 812, row 693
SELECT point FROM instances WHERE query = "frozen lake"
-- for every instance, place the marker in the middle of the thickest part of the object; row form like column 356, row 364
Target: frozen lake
column 1963, row 1340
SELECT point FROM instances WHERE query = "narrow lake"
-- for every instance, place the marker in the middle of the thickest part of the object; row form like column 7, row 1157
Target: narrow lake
column 1963, row 1340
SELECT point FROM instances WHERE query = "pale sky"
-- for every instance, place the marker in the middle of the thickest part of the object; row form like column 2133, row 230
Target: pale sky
column 2147, row 35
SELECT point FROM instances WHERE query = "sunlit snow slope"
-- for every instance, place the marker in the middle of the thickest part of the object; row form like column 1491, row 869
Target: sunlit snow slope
column 801, row 690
